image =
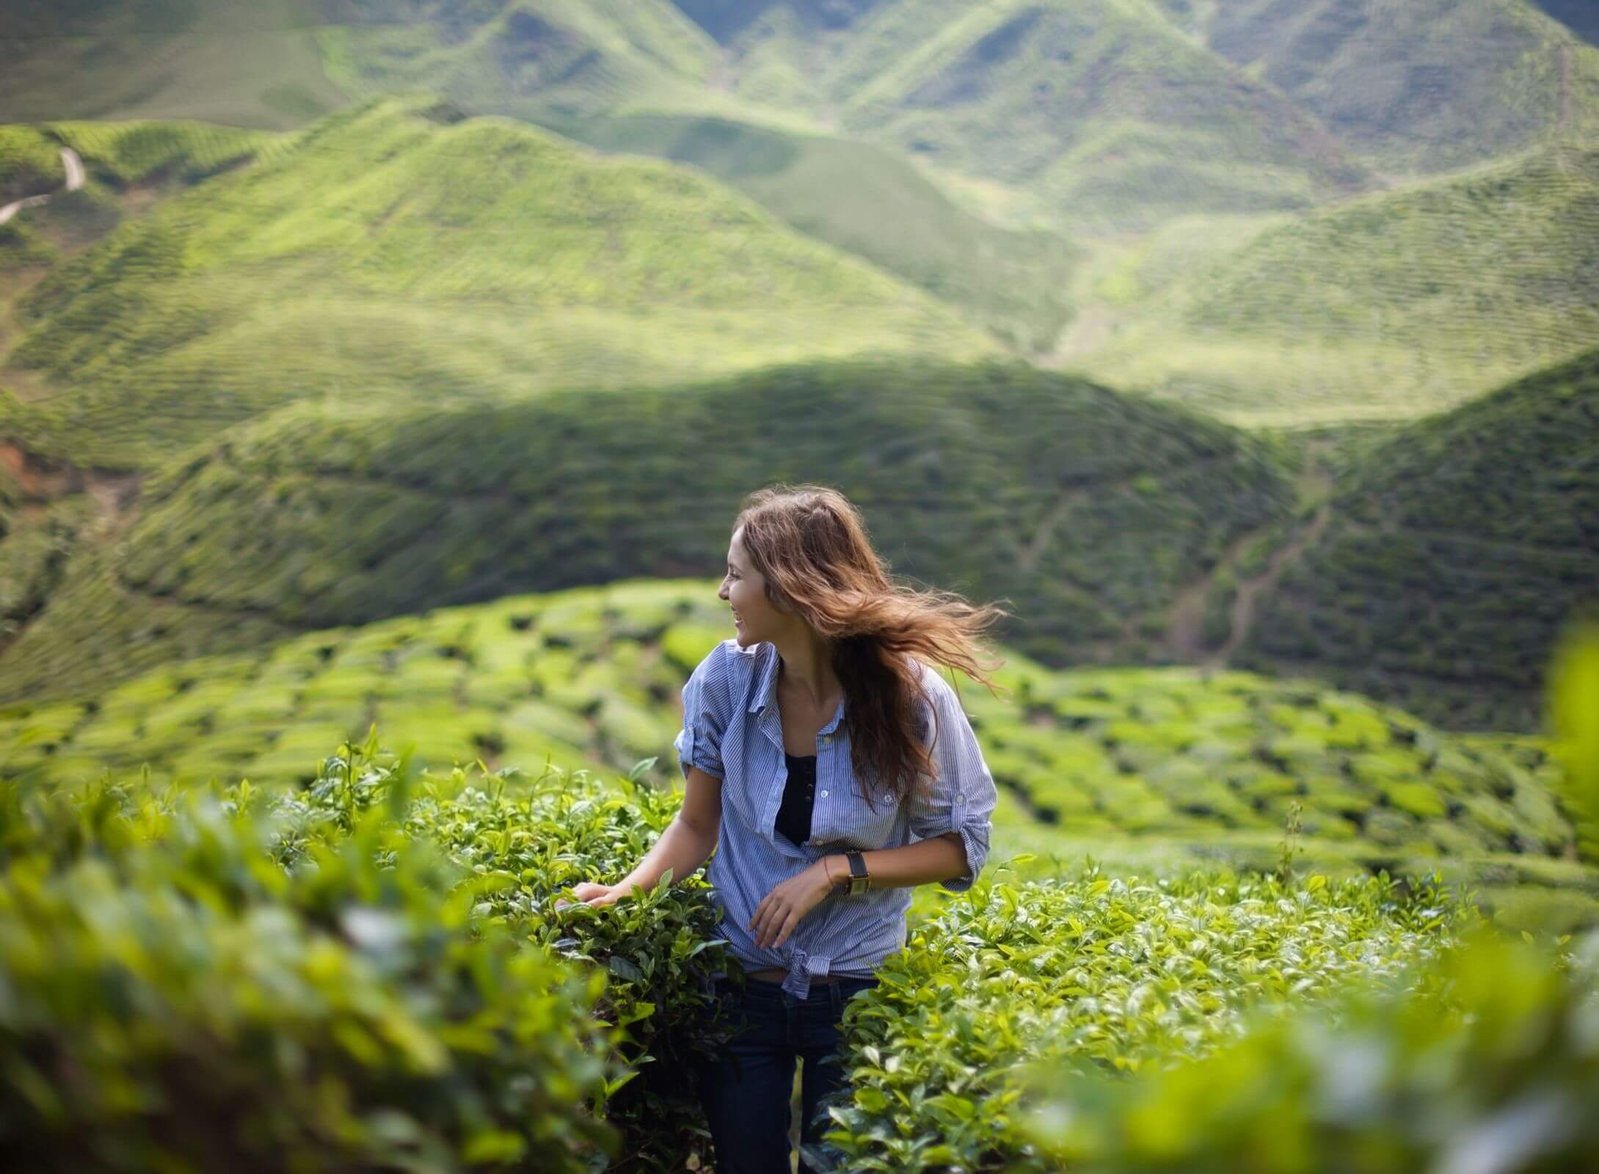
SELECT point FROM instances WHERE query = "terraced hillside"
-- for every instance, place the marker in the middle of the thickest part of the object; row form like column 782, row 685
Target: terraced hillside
column 1147, row 769
column 1390, row 307
column 1088, row 510
column 395, row 253
column 1107, row 114
column 1452, row 558
column 870, row 201
column 1422, row 85
column 243, row 62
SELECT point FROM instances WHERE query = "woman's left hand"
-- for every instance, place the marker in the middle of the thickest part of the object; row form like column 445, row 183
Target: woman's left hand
column 781, row 909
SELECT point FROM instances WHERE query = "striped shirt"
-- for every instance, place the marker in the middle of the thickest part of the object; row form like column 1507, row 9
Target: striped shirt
column 732, row 729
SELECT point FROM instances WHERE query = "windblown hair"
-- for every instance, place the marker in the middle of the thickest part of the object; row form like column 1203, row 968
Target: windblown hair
column 812, row 548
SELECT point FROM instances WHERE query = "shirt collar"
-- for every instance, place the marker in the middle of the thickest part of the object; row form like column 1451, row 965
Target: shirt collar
column 765, row 693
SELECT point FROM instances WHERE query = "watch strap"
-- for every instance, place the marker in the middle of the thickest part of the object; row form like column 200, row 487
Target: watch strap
column 859, row 878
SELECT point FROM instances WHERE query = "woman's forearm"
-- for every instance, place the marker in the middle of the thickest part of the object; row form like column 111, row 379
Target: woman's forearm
column 924, row 862
column 682, row 848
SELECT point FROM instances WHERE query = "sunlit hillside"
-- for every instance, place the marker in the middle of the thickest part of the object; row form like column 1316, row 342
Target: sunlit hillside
column 1105, row 113
column 398, row 253
column 1392, row 306
column 871, row 201
column 1418, row 85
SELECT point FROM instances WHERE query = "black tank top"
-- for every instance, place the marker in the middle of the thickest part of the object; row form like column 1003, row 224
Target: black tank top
column 799, row 798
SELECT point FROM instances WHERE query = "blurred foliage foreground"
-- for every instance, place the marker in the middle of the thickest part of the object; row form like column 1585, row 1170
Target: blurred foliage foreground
column 377, row 971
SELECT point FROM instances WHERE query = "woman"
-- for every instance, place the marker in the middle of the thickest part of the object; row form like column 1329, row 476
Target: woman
column 831, row 769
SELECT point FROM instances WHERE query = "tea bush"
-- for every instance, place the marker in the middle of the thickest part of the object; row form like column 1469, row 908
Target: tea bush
column 175, row 1000
column 1096, row 972
column 1491, row 1065
column 387, row 945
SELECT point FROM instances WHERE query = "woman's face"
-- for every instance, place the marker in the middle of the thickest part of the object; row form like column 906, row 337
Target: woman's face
column 755, row 618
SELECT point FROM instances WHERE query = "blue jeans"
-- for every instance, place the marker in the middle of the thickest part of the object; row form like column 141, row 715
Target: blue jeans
column 746, row 1089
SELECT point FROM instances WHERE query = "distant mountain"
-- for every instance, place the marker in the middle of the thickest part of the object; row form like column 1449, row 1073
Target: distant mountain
column 1102, row 110
column 247, row 62
column 1424, row 84
column 1090, row 511
column 1453, row 558
column 1390, row 306
column 398, row 252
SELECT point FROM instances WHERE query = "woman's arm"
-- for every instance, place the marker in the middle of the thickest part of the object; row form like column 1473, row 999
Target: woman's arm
column 687, row 843
column 937, row 858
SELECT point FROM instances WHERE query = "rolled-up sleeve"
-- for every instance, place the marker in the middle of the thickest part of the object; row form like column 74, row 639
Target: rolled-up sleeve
column 962, row 797
column 706, row 708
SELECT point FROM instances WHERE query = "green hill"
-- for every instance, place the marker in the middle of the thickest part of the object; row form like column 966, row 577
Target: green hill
column 1390, row 306
column 870, row 201
column 1423, row 85
column 1090, row 511
column 1453, row 558
column 533, row 59
column 245, row 62
column 1161, row 769
column 396, row 253
column 280, row 63
column 1103, row 111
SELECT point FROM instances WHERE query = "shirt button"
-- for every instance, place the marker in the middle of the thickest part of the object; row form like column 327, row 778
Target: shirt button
column 824, row 794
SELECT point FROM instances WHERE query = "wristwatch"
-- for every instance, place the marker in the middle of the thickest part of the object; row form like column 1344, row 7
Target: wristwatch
column 859, row 880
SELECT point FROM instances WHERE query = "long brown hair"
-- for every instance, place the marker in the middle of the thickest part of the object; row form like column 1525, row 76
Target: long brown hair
column 811, row 546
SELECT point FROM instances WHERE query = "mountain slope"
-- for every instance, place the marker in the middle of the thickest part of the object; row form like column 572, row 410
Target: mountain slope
column 1454, row 558
column 533, row 59
column 1087, row 509
column 1102, row 110
column 869, row 201
column 1386, row 307
column 395, row 253
column 246, row 62
column 1423, row 85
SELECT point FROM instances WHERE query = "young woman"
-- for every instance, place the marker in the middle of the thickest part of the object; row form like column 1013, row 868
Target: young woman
column 830, row 768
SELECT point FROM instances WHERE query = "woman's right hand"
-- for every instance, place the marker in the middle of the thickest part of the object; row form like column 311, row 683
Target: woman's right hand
column 594, row 894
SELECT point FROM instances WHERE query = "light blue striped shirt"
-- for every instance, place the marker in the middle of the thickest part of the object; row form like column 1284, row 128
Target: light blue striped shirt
column 732, row 729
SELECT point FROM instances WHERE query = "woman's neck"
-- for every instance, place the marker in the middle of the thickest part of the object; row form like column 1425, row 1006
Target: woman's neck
column 807, row 667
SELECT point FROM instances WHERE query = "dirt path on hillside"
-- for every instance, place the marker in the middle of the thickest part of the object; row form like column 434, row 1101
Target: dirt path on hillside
column 1250, row 591
column 75, row 178
column 1186, row 631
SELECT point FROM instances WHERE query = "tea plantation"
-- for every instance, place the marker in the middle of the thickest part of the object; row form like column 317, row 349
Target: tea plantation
column 414, row 253
column 1149, row 770
column 1090, row 520
column 1453, row 554
column 378, row 969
